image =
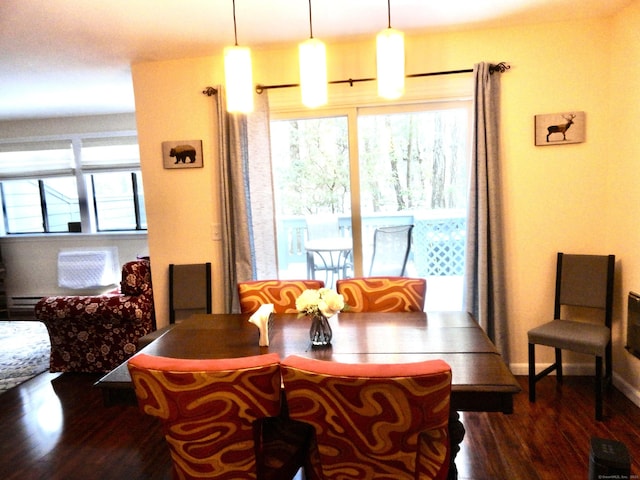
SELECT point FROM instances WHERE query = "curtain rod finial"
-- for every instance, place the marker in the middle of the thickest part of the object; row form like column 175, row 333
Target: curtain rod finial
column 209, row 91
column 500, row 67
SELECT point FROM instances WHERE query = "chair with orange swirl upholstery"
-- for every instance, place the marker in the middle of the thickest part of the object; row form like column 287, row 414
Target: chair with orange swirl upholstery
column 373, row 421
column 221, row 417
column 383, row 294
column 281, row 293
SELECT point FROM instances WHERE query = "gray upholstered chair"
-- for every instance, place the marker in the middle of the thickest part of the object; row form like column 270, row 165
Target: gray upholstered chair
column 581, row 281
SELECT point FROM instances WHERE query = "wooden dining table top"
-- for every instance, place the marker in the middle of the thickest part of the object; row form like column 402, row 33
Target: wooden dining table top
column 481, row 381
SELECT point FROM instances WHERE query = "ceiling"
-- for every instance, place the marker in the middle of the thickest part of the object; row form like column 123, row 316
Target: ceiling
column 73, row 57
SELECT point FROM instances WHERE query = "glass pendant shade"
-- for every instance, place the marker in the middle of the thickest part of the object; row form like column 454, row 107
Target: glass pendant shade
column 313, row 72
column 238, row 79
column 390, row 63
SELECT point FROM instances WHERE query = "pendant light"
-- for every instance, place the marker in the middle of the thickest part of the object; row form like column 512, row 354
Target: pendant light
column 390, row 60
column 313, row 69
column 238, row 76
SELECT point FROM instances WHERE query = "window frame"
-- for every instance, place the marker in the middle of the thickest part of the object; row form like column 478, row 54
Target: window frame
column 352, row 111
column 83, row 174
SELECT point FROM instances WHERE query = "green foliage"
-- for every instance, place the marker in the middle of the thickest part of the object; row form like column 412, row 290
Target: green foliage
column 407, row 161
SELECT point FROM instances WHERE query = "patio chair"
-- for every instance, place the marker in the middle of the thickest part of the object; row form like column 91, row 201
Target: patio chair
column 334, row 262
column 391, row 247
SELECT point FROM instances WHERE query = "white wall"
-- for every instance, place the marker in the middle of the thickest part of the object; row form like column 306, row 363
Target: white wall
column 31, row 260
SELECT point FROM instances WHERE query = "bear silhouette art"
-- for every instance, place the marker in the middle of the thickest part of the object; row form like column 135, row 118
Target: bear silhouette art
column 182, row 152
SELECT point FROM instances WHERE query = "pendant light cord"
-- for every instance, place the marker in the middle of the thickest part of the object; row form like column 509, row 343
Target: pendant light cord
column 235, row 30
column 311, row 21
column 388, row 12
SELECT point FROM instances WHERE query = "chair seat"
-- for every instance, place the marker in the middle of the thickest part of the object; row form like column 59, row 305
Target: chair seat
column 578, row 337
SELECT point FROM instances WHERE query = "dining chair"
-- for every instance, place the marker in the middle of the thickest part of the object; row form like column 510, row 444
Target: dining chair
column 189, row 292
column 581, row 281
column 391, row 247
column 373, row 421
column 281, row 293
column 383, row 294
column 221, row 418
column 189, row 289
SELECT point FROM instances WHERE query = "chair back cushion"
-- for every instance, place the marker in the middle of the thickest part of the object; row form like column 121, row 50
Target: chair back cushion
column 583, row 280
column 281, row 293
column 136, row 278
column 372, row 420
column 209, row 409
column 383, row 294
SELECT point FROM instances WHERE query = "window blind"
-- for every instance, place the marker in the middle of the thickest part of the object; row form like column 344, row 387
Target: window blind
column 113, row 153
column 29, row 159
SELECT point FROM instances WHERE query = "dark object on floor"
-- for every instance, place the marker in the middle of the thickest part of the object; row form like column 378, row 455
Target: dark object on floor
column 608, row 459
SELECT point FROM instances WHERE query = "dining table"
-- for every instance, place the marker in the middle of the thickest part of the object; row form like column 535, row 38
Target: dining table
column 481, row 380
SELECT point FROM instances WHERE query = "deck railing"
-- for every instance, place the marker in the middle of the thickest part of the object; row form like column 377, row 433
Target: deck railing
column 438, row 240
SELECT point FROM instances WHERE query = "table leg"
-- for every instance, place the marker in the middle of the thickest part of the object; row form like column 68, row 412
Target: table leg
column 456, row 435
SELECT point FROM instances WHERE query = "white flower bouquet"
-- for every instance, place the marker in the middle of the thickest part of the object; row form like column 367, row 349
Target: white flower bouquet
column 323, row 301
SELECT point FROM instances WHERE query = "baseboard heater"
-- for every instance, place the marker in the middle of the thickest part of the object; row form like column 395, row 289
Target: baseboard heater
column 21, row 305
column 633, row 324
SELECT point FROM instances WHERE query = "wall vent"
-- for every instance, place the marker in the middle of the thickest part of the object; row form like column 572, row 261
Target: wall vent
column 633, row 324
column 23, row 306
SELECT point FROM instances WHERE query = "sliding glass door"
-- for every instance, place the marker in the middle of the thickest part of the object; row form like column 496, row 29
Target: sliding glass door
column 312, row 197
column 376, row 167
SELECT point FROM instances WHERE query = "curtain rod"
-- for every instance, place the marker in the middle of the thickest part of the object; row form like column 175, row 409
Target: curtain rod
column 499, row 67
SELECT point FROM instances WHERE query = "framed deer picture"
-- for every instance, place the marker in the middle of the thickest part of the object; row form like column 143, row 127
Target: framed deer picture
column 560, row 128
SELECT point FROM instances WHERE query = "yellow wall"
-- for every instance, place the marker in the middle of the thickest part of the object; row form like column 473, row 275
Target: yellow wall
column 622, row 162
column 577, row 198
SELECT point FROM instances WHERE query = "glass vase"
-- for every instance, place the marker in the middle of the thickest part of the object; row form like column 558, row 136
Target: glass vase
column 320, row 332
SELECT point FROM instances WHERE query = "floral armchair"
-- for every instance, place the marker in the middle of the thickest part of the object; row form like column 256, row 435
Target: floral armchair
column 98, row 333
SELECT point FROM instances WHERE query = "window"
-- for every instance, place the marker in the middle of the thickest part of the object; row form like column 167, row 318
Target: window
column 47, row 184
column 372, row 167
column 114, row 196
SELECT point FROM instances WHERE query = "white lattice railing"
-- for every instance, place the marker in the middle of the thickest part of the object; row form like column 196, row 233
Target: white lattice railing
column 438, row 240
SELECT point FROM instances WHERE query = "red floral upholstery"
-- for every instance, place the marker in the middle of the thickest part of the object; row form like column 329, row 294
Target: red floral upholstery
column 282, row 293
column 384, row 421
column 98, row 333
column 383, row 294
column 220, row 416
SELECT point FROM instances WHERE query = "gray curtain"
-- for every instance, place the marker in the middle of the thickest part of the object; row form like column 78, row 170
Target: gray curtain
column 248, row 219
column 485, row 294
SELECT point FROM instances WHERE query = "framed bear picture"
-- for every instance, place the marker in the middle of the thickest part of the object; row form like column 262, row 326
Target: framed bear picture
column 182, row 154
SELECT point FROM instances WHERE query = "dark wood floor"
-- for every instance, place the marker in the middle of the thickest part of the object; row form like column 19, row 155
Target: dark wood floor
column 56, row 427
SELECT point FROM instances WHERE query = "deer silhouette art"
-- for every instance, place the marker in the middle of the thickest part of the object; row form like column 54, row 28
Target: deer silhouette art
column 562, row 128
